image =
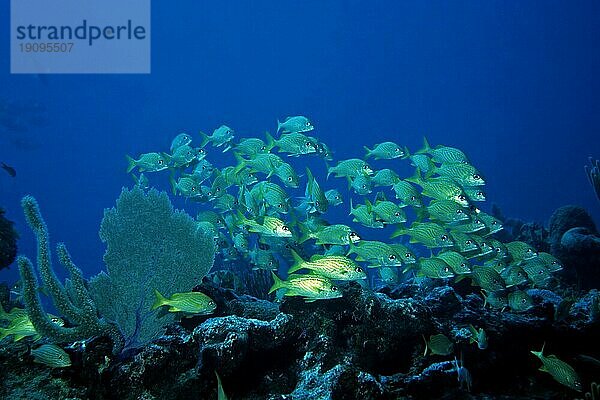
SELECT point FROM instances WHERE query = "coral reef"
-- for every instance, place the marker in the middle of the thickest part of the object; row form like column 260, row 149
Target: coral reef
column 8, row 241
column 575, row 241
column 365, row 345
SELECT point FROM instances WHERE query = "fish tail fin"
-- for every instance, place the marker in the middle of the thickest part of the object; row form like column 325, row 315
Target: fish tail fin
column 426, row 147
column 173, row 183
column 277, row 283
column 421, row 213
column 540, row 353
column 351, row 249
column 304, row 233
column 278, row 126
column 473, row 334
column 160, row 300
column 369, row 206
column 416, row 178
column 431, row 168
column 241, row 162
column 130, row 163
column 270, row 141
column 368, row 152
column 406, row 153
column 205, row 139
column 400, row 230
column 309, row 175
column 298, row 262
column 426, row 345
column 380, row 196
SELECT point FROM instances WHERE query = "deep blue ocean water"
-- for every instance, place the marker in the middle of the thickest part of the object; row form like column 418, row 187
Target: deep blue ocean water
column 515, row 85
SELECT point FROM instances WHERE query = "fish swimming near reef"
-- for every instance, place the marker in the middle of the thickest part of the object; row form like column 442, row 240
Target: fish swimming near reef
column 311, row 287
column 332, row 267
column 562, row 372
column 51, row 355
column 190, row 303
column 438, row 345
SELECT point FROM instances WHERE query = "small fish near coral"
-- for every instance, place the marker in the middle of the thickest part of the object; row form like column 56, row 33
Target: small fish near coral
column 336, row 266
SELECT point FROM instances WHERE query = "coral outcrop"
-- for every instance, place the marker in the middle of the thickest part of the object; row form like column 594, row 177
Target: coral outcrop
column 8, row 241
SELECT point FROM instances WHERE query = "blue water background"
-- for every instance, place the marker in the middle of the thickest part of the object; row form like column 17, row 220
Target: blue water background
column 514, row 84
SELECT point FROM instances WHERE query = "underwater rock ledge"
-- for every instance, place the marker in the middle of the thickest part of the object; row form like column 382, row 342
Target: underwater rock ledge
column 365, row 345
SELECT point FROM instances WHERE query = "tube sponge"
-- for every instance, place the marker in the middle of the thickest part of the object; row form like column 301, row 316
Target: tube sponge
column 79, row 310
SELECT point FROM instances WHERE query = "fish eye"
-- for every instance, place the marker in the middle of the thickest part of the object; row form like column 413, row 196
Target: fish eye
column 285, row 228
column 337, row 197
column 364, row 186
column 498, row 249
column 444, row 237
column 307, row 123
column 459, row 211
column 446, row 269
column 289, row 178
column 494, row 223
column 528, row 250
column 271, row 263
column 317, row 203
column 407, row 255
column 358, row 269
column 391, row 257
column 334, row 288
column 365, row 166
column 480, row 194
column 160, row 161
column 413, row 198
column 461, row 197
column 476, row 176
column 469, row 242
column 309, row 144
column 193, row 188
column 523, row 300
column 397, row 150
column 211, row 303
column 397, row 214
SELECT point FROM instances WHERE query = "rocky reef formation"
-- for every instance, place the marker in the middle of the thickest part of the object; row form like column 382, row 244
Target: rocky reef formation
column 8, row 241
column 366, row 345
column 575, row 241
